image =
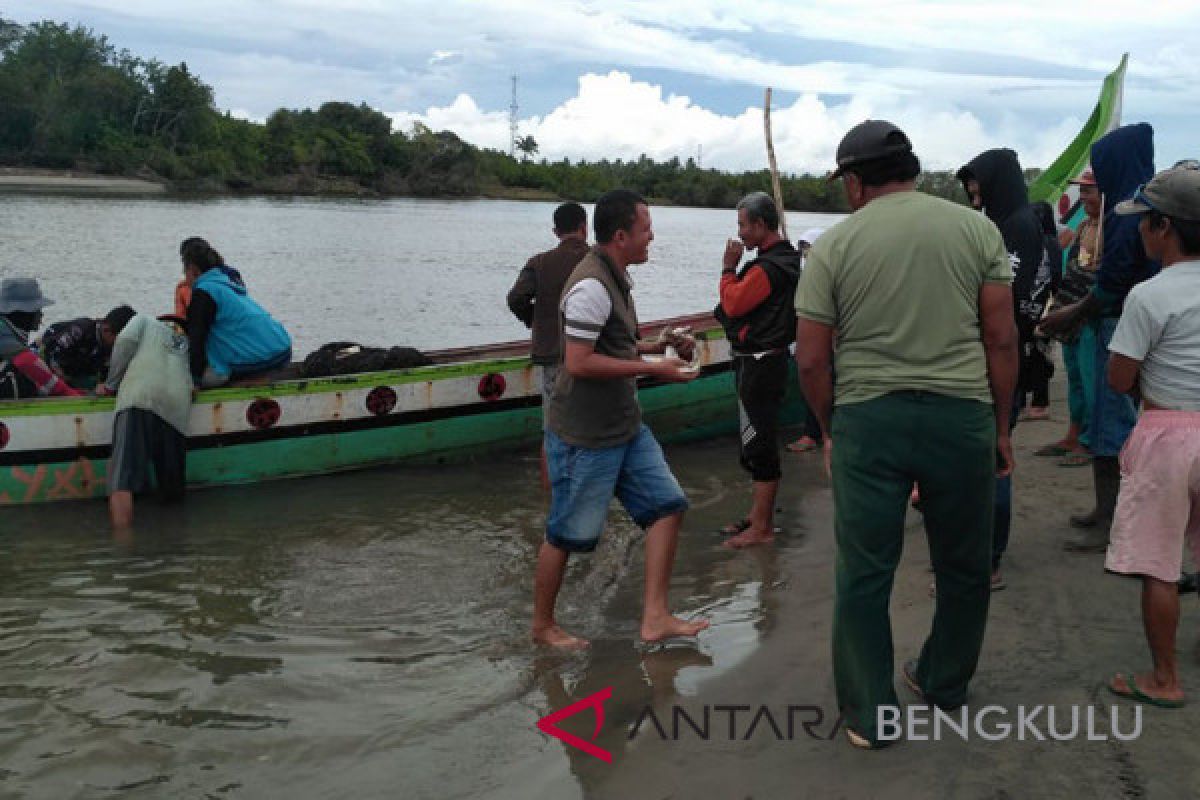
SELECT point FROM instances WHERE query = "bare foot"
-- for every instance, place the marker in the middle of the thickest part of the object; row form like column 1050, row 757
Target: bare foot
column 670, row 627
column 749, row 538
column 1146, row 686
column 554, row 636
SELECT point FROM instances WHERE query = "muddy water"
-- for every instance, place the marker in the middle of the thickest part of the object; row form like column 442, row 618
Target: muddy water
column 360, row 635
column 355, row 636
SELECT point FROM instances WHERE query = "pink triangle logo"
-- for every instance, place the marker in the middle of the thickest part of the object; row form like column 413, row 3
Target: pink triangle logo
column 549, row 724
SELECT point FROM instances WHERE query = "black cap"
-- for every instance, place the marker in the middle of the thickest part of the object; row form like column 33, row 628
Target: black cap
column 870, row 140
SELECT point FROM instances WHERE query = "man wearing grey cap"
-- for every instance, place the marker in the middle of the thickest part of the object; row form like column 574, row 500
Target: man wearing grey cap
column 1155, row 351
column 22, row 373
column 917, row 293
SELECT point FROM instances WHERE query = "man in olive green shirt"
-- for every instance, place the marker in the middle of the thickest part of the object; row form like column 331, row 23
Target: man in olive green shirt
column 916, row 291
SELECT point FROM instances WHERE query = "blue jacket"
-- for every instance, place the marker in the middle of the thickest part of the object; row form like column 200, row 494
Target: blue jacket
column 1122, row 160
column 243, row 336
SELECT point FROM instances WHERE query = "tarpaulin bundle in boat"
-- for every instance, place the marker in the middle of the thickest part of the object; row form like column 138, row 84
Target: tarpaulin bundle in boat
column 347, row 358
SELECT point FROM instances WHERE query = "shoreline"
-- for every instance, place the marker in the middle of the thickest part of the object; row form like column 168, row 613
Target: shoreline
column 46, row 181
column 34, row 181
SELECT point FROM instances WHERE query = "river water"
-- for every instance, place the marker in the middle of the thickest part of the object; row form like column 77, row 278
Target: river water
column 426, row 273
column 360, row 635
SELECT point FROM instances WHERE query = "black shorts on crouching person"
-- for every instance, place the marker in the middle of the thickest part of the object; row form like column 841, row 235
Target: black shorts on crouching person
column 146, row 452
column 761, row 385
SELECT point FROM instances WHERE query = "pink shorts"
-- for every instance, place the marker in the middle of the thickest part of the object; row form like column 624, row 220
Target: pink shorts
column 1159, row 504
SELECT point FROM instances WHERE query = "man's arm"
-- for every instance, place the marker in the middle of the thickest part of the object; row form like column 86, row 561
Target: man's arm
column 202, row 311
column 124, row 348
column 582, row 361
column 1068, row 318
column 522, row 293
column 740, row 297
column 1123, row 373
column 814, row 360
column 1000, row 347
column 41, row 376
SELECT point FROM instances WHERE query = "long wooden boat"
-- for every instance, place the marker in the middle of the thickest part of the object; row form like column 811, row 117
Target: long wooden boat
column 471, row 401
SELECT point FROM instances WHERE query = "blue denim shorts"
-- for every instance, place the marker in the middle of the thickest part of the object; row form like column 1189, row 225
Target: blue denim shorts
column 583, row 481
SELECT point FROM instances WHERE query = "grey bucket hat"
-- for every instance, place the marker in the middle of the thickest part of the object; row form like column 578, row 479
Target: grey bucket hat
column 22, row 294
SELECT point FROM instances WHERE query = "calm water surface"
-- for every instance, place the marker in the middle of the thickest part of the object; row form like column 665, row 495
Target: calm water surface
column 427, row 273
column 360, row 635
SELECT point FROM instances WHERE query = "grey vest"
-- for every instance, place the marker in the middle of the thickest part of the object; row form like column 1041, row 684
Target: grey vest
column 590, row 412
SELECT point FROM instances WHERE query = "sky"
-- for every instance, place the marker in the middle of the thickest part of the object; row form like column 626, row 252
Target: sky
column 685, row 78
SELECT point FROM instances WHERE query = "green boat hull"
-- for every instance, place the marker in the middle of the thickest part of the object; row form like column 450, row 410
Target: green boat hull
column 702, row 409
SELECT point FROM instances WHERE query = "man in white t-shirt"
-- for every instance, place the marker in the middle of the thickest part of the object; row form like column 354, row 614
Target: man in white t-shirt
column 1155, row 351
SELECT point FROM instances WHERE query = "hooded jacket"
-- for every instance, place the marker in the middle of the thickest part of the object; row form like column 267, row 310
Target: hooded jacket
column 1006, row 203
column 242, row 336
column 1122, row 160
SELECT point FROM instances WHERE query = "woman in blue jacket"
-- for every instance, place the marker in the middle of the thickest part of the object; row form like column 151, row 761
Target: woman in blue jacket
column 230, row 335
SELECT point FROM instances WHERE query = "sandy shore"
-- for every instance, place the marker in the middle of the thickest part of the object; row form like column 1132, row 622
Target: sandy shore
column 62, row 182
column 1055, row 635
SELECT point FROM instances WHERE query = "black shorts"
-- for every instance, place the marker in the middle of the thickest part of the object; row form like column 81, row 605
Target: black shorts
column 761, row 385
column 146, row 453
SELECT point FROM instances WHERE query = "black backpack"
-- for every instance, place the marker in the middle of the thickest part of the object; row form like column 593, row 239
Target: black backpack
column 348, row 358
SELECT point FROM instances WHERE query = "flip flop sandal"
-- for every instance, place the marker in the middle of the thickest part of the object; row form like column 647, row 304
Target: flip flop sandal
column 1050, row 450
column 1138, row 695
column 801, row 447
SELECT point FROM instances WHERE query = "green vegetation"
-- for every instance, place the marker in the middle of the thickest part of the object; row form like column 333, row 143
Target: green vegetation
column 70, row 100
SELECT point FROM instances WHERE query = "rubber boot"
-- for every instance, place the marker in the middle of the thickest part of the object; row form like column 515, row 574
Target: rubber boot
column 1106, row 478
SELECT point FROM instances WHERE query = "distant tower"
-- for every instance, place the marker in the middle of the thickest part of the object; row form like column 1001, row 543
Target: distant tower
column 699, row 155
column 512, row 121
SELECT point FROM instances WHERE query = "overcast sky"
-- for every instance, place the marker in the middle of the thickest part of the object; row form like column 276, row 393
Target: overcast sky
column 619, row 78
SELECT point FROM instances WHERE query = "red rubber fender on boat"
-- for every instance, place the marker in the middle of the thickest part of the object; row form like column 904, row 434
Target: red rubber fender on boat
column 492, row 386
column 263, row 413
column 381, row 400
column 4, row 436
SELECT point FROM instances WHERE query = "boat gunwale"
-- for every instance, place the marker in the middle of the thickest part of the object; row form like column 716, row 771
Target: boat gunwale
column 446, row 370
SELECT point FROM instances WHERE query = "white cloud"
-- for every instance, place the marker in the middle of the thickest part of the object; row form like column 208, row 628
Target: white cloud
column 959, row 62
column 614, row 116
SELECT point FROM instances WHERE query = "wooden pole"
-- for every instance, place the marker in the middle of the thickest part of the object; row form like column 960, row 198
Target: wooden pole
column 775, row 188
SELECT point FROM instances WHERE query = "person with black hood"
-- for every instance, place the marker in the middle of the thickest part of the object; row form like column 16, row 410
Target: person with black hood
column 995, row 184
column 1122, row 160
column 757, row 312
column 1039, row 366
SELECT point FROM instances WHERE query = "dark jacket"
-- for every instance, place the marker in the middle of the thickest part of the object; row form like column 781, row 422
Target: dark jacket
column 535, row 296
column 1006, row 203
column 75, row 349
column 772, row 324
column 1122, row 160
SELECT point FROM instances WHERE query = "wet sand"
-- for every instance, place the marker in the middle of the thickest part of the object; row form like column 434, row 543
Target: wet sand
column 1055, row 636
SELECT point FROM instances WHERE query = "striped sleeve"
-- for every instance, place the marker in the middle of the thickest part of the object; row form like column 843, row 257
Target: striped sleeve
column 586, row 307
